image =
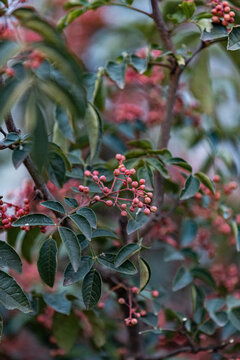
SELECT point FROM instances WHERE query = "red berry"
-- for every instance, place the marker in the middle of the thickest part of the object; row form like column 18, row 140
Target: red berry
column 132, row 171
column 103, row 178
column 135, row 289
column 216, row 178
column 232, row 13
column 224, row 23
column 147, row 200
column 142, row 187
column 86, row 189
column 227, row 9
column 118, row 157
column 124, row 206
column 132, row 209
column 123, row 213
column 109, row 203
column 155, row 293
column 95, row 178
column 121, row 301
column 146, row 211
column 106, row 190
column 142, row 181
column 97, row 198
column 140, row 204
column 87, row 173
column 116, row 172
column 101, row 305
column 219, row 7
column 227, row 17
column 225, row 3
column 153, row 209
column 214, row 11
column 127, row 172
column 81, row 188
column 134, row 184
column 134, row 322
column 95, row 172
column 215, row 19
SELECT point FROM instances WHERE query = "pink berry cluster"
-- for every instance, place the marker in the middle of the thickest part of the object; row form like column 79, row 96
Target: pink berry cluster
column 222, row 13
column 35, row 59
column 10, row 212
column 140, row 199
column 134, row 311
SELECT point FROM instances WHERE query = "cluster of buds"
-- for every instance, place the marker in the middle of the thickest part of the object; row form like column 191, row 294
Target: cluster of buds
column 16, row 212
column 222, row 13
column 35, row 59
column 140, row 199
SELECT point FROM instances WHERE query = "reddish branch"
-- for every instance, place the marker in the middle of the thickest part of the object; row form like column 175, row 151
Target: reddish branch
column 37, row 178
column 187, row 349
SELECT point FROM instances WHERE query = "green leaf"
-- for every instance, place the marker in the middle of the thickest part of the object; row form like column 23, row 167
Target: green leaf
column 72, row 246
column 182, row 278
column 19, row 154
column 208, row 327
column 138, row 63
column 89, row 215
column 58, row 302
column 8, row 49
column 28, row 243
column 29, row 19
column 47, row 262
column 83, row 224
column 12, row 235
column 34, row 220
column 11, row 295
column 217, row 32
column 91, row 288
column 65, row 330
column 11, row 93
column 141, row 144
column 71, row 202
column 71, row 277
column 172, row 254
column 93, row 125
column 125, row 253
column 1, row 328
column 145, row 172
column 180, row 162
column 39, row 132
column 188, row 9
column 63, row 121
column 116, row 72
column 53, row 205
column 158, row 165
column 104, row 233
column 9, row 257
column 234, row 39
column 145, row 274
column 10, row 139
column 206, row 181
column 236, row 232
column 234, row 317
column 213, row 306
column 134, row 225
column 191, row 187
column 204, row 275
column 188, row 231
column 108, row 260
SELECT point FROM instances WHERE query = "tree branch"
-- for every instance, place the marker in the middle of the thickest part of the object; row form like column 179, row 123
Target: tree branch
column 187, row 349
column 38, row 180
column 161, row 26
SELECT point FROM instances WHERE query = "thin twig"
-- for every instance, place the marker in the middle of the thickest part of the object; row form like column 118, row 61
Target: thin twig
column 161, row 26
column 187, row 349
